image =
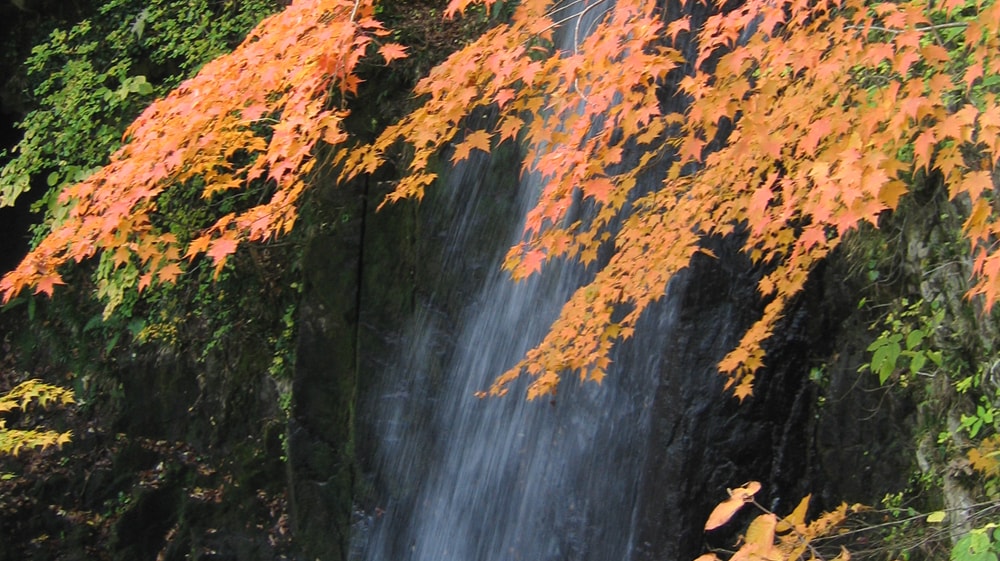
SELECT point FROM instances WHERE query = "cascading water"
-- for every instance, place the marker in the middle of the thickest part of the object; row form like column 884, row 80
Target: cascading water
column 406, row 315
column 469, row 479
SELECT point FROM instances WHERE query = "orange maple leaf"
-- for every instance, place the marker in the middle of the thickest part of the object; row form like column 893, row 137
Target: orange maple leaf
column 923, row 147
column 479, row 140
column 392, row 51
column 599, row 188
column 220, row 249
column 46, row 284
column 531, row 262
column 169, row 272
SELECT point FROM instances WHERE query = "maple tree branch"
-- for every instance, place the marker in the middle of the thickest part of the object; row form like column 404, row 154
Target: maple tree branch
column 932, row 28
column 987, row 507
column 579, row 18
column 937, row 33
column 566, row 19
column 562, row 7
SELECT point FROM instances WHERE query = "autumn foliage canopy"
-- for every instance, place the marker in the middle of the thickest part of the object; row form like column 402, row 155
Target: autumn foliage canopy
column 822, row 113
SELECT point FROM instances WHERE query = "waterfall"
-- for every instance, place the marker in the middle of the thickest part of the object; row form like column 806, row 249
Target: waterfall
column 406, row 314
column 467, row 479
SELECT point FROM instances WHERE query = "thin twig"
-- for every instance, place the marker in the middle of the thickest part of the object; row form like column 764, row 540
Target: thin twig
column 918, row 28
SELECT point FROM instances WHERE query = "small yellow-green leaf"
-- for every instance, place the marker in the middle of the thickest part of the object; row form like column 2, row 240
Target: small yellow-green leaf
column 936, row 517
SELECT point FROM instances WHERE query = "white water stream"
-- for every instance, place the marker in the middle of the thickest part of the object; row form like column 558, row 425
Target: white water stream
column 470, row 479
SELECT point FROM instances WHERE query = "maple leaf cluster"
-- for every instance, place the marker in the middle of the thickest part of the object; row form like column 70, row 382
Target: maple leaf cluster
column 830, row 108
column 770, row 537
column 24, row 395
column 266, row 102
column 833, row 108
